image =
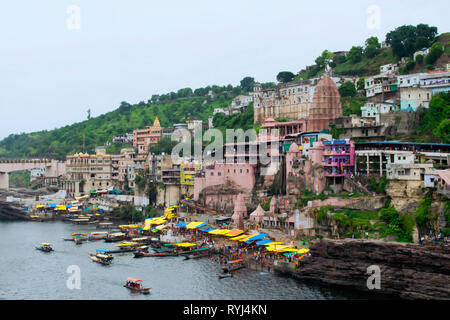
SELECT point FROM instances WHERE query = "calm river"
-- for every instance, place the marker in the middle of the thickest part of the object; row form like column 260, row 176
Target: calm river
column 27, row 273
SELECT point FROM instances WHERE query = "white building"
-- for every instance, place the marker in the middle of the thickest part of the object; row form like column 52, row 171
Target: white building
column 423, row 52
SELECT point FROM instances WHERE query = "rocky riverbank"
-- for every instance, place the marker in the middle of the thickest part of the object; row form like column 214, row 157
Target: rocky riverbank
column 408, row 271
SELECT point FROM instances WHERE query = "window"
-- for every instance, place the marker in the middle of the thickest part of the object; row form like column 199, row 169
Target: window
column 219, row 174
column 212, row 173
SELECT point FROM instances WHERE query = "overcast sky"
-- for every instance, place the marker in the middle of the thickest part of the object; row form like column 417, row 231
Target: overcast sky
column 52, row 69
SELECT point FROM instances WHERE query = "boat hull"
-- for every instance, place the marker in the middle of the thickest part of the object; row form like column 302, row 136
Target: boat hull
column 141, row 290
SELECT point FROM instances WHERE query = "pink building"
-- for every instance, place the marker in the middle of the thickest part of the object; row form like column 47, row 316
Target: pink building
column 240, row 175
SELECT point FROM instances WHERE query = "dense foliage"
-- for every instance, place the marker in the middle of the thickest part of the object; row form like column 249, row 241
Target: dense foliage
column 406, row 40
column 169, row 108
column 347, row 89
column 436, row 118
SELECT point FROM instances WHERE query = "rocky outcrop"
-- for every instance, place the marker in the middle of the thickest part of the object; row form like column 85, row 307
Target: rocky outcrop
column 407, row 270
column 406, row 195
column 9, row 212
column 359, row 203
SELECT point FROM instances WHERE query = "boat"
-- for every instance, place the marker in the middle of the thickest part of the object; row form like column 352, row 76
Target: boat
column 105, row 225
column 115, row 237
column 233, row 265
column 100, row 251
column 126, row 247
column 97, row 236
column 226, row 275
column 199, row 253
column 104, row 259
column 46, row 247
column 136, row 285
column 140, row 254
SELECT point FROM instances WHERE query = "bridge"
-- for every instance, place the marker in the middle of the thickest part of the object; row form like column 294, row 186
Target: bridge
column 53, row 168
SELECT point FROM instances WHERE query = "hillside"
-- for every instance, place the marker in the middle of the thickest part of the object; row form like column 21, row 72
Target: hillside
column 59, row 142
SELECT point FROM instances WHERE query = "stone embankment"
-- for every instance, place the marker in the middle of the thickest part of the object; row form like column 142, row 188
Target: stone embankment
column 408, row 271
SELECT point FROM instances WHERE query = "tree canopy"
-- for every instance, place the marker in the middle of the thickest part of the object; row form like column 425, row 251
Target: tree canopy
column 347, row 89
column 407, row 39
column 285, row 76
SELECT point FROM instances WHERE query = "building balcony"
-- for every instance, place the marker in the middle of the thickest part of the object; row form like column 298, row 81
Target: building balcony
column 336, row 174
column 336, row 164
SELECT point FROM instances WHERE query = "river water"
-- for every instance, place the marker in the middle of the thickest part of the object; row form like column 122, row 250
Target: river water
column 27, row 273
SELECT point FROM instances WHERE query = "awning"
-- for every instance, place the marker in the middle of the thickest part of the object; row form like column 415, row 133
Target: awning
column 234, row 232
column 195, row 224
column 205, row 228
column 181, row 225
column 256, row 237
column 243, row 236
column 220, row 232
column 263, row 242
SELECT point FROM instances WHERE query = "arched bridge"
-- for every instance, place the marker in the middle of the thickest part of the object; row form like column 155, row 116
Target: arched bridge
column 53, row 168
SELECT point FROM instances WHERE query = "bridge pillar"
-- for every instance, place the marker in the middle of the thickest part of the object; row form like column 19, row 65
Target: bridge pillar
column 4, row 180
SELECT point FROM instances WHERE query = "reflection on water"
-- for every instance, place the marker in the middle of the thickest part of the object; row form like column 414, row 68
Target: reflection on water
column 27, row 273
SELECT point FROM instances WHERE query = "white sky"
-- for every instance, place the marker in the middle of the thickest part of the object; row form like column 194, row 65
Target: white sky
column 128, row 50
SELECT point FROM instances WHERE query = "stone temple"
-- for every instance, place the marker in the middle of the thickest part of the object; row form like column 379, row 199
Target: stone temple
column 313, row 105
column 326, row 105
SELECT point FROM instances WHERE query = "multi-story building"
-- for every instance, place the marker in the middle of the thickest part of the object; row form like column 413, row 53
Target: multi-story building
column 313, row 104
column 337, row 159
column 128, row 164
column 417, row 90
column 123, row 139
column 286, row 100
column 384, row 85
column 373, row 109
column 142, row 138
column 239, row 104
column 305, row 140
column 373, row 158
column 90, row 172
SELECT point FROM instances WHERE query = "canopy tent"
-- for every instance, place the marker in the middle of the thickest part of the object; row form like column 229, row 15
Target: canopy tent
column 181, row 225
column 205, row 228
column 243, row 236
column 219, row 232
column 195, row 224
column 162, row 227
column 245, row 239
column 52, row 205
column 263, row 242
column 256, row 237
column 234, row 232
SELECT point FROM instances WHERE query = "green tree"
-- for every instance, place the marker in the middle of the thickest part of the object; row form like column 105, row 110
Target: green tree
column 355, row 55
column 325, row 58
column 435, row 52
column 361, row 83
column 347, row 89
column 407, row 39
column 285, row 76
column 247, row 84
column 419, row 59
column 372, row 48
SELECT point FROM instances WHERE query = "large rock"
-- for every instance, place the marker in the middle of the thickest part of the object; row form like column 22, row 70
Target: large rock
column 407, row 270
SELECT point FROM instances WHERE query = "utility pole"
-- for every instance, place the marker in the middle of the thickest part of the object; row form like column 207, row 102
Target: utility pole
column 84, row 140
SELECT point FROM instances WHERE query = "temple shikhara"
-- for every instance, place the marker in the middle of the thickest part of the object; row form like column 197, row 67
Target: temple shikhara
column 302, row 105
